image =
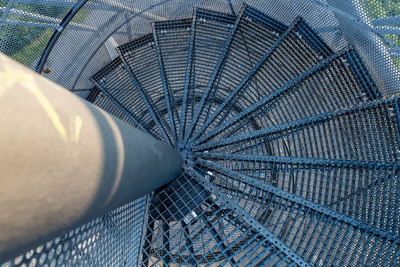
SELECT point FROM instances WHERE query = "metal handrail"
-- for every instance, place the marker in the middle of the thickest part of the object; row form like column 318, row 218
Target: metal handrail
column 67, row 19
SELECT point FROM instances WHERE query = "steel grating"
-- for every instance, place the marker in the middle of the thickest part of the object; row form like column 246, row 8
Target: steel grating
column 208, row 35
column 114, row 82
column 261, row 32
column 365, row 133
column 304, row 226
column 140, row 59
column 172, row 44
column 305, row 95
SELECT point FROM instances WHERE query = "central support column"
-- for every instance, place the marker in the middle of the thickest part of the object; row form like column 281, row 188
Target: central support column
column 64, row 162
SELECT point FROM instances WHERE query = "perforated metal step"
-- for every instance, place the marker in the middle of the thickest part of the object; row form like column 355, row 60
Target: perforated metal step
column 329, row 85
column 209, row 32
column 251, row 36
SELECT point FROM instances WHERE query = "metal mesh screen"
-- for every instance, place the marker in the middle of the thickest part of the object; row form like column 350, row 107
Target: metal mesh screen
column 81, row 50
column 114, row 239
column 27, row 26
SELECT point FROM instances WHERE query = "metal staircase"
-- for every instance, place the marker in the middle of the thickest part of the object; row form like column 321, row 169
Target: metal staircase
column 287, row 144
column 291, row 151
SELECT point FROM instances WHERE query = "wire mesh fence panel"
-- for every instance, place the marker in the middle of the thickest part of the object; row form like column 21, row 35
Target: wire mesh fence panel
column 27, row 26
column 113, row 239
column 342, row 22
column 331, row 20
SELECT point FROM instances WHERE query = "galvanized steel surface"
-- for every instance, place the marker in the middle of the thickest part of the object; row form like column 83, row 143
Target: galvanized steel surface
column 282, row 110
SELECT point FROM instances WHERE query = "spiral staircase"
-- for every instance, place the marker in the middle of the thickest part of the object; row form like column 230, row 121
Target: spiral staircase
column 291, row 151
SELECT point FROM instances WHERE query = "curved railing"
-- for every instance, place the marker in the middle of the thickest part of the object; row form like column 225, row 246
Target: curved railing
column 57, row 34
column 79, row 34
